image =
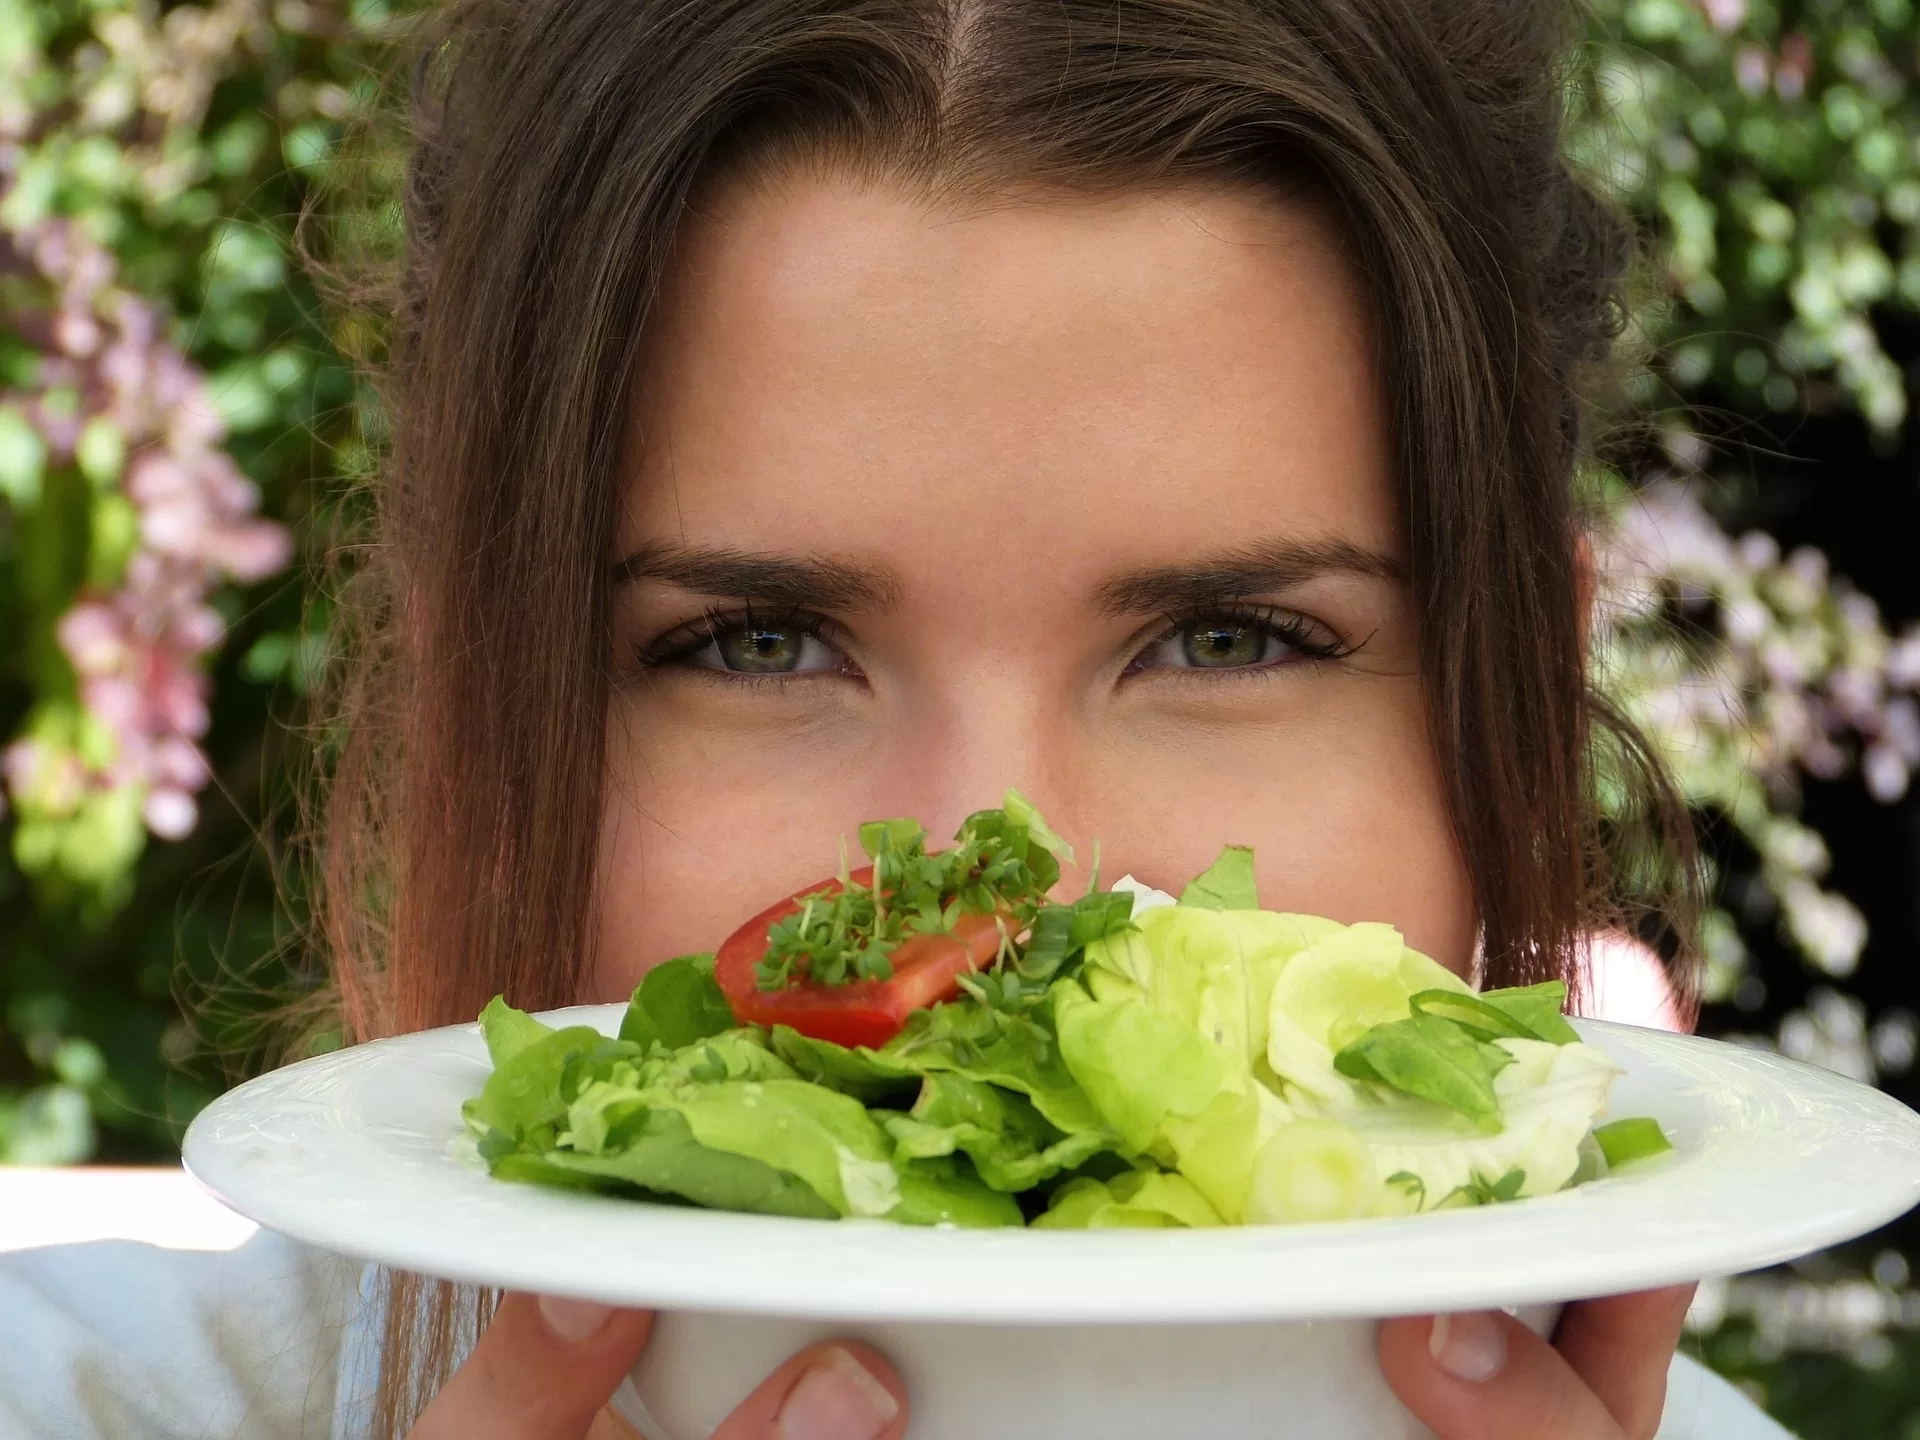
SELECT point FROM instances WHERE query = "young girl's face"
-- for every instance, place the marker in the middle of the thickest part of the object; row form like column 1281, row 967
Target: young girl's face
column 1093, row 498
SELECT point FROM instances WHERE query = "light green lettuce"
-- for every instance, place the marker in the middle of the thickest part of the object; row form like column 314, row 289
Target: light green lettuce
column 1214, row 969
column 1293, row 1068
column 1139, row 1199
column 1144, row 1062
column 722, row 1121
column 1348, row 980
column 1171, row 1092
column 1549, row 1099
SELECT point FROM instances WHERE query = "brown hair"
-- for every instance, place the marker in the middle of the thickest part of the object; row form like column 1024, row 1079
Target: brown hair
column 557, row 145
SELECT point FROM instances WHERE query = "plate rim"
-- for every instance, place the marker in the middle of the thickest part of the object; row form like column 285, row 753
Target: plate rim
column 469, row 1261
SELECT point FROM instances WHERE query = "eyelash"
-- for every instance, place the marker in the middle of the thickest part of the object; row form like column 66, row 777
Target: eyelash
column 684, row 641
column 1289, row 627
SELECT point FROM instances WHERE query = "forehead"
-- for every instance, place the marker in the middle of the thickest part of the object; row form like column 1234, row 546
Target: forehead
column 835, row 366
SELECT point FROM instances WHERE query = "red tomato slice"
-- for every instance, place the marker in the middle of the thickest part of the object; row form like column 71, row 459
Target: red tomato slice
column 926, row 970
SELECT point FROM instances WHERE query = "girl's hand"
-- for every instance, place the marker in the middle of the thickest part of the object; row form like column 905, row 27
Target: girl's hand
column 1488, row 1377
column 546, row 1367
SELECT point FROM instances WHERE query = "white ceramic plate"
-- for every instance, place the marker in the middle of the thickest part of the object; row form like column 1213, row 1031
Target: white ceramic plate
column 355, row 1152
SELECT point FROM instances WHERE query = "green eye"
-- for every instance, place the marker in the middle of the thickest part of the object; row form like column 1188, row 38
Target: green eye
column 1235, row 640
column 762, row 649
column 1224, row 643
column 748, row 646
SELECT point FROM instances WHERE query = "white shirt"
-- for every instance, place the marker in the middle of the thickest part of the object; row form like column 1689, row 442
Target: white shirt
column 119, row 1340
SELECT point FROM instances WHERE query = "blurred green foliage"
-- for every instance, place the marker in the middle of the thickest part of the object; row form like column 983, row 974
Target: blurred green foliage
column 1770, row 147
column 1773, row 148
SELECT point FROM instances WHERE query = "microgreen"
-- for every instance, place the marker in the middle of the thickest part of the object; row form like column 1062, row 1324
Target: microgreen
column 1482, row 1191
column 1412, row 1184
column 1001, row 861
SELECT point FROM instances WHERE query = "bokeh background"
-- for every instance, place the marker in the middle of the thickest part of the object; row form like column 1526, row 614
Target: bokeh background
column 188, row 193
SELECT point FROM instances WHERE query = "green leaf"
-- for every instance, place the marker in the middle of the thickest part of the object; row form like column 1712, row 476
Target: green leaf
column 1166, row 1088
column 1430, row 1059
column 1471, row 1013
column 1059, row 932
column 1010, row 1144
column 896, row 837
column 508, row 1031
column 1538, row 1007
column 832, row 1143
column 1139, row 1199
column 1481, row 1191
column 731, row 1055
column 1227, row 884
column 524, row 1091
column 866, row 1075
column 1020, row 811
column 1635, row 1138
column 1018, row 1053
column 1411, row 1183
column 680, row 1001
column 636, row 1026
column 659, row 1154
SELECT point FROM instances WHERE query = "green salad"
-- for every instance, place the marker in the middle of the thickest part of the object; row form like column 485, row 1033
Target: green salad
column 1128, row 1059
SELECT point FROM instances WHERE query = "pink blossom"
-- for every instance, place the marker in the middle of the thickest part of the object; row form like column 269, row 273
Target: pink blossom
column 170, row 813
column 76, row 332
column 1795, row 68
column 93, row 637
column 139, row 652
column 1725, row 16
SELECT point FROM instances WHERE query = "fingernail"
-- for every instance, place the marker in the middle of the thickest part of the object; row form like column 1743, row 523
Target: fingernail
column 836, row 1398
column 1468, row 1347
column 573, row 1320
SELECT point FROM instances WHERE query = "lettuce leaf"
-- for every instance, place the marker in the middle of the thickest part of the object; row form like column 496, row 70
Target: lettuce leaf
column 723, row 1121
column 1314, row 1170
column 1215, row 969
column 1246, row 1065
column 657, row 1153
column 1015, row 1052
column 525, row 1092
column 1011, row 1145
column 677, row 1002
column 1348, row 980
column 1430, row 1059
column 1139, row 1199
column 1227, row 884
column 1538, row 1007
column 1549, row 1098
column 508, row 1031
column 867, row 1075
column 1168, row 1090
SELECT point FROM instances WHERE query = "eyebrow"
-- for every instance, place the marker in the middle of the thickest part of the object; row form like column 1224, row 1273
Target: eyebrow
column 798, row 581
column 1255, row 570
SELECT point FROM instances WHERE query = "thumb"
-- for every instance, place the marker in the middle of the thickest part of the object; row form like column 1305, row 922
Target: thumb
column 833, row 1391
column 542, row 1371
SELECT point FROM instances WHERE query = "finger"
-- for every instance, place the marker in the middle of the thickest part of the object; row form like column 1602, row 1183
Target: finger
column 541, row 1371
column 1485, row 1376
column 835, row 1391
column 1622, row 1346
